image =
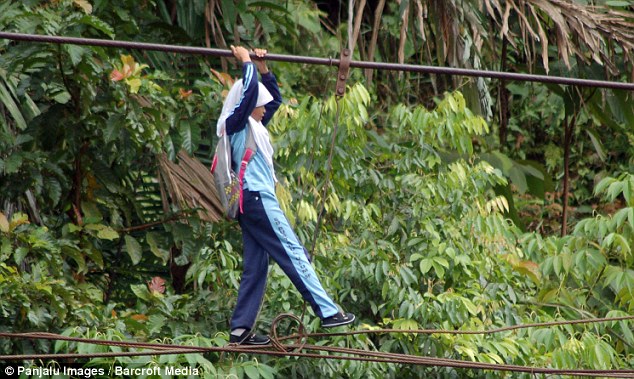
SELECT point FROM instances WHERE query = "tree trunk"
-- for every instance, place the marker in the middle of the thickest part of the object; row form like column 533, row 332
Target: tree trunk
column 569, row 126
column 375, row 36
column 503, row 94
column 78, row 177
column 178, row 273
column 357, row 25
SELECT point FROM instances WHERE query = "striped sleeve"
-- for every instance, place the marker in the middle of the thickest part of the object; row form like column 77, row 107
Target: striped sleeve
column 270, row 83
column 248, row 99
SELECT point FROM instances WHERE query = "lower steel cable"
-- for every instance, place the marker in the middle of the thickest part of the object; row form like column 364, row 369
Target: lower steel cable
column 305, row 350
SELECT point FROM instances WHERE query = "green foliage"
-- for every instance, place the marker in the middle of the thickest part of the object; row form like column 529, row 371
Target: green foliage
column 415, row 233
column 398, row 233
column 37, row 284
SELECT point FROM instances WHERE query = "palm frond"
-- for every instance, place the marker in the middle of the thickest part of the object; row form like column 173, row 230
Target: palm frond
column 577, row 30
column 190, row 185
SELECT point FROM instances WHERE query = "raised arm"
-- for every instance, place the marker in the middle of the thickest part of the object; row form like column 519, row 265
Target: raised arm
column 270, row 82
column 249, row 94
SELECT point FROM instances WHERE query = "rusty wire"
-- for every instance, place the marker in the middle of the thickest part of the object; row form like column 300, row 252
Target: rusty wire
column 484, row 332
column 299, row 349
column 348, row 354
column 321, row 61
column 302, row 349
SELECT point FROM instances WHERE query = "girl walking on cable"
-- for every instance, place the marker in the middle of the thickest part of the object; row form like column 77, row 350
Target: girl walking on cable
column 266, row 231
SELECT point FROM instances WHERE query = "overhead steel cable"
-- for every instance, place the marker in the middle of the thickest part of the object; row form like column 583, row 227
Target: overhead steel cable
column 349, row 354
column 322, row 61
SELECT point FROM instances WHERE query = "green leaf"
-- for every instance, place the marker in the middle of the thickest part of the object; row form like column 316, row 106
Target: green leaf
column 440, row 270
column 113, row 128
column 249, row 19
column 395, row 225
column 95, row 255
column 267, row 372
column 9, row 103
column 19, row 254
column 76, row 256
column 627, row 191
column 141, row 291
column 270, row 5
column 518, row 178
column 473, row 310
column 59, row 94
column 185, row 132
column 617, row 101
column 156, row 323
column 107, row 233
column 153, row 240
column 170, row 150
column 53, row 189
column 134, row 84
column 603, row 356
column 603, row 185
column 133, row 247
column 596, row 142
column 615, row 190
column 92, row 215
column 623, row 244
column 405, row 324
column 4, row 223
column 229, row 14
column 530, row 269
column 538, row 178
column 441, row 261
column 76, row 53
column 627, row 332
column 251, row 371
column 618, row 3
column 98, row 24
column 425, row 265
column 407, row 275
column 13, row 163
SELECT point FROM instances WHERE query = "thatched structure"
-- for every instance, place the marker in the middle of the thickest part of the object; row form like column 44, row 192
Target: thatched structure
column 190, row 185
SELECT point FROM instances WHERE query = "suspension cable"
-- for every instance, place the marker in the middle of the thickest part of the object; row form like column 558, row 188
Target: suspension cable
column 349, row 353
column 299, row 350
column 326, row 184
column 322, row 61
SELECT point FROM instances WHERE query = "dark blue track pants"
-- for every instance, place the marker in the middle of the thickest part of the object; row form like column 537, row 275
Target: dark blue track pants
column 266, row 232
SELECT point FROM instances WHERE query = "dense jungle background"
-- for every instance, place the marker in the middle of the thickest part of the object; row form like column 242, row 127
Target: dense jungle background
column 449, row 202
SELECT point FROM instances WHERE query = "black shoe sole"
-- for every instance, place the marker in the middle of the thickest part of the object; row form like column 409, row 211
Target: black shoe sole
column 248, row 343
column 342, row 323
column 248, row 339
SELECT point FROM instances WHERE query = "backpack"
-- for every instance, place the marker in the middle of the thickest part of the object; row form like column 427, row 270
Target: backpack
column 229, row 184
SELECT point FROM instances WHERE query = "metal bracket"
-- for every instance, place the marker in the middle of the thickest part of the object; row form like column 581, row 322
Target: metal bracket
column 342, row 75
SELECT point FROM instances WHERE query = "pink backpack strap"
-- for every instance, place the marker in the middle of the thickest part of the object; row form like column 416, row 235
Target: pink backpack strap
column 213, row 164
column 248, row 154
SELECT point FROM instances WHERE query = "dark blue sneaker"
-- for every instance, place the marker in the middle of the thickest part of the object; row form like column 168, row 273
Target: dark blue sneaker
column 248, row 338
column 338, row 320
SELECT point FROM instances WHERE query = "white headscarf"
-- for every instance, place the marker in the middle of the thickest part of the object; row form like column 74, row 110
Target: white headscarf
column 260, row 133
